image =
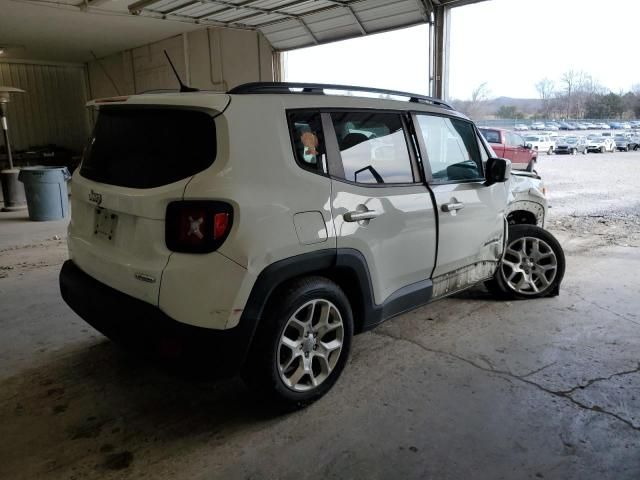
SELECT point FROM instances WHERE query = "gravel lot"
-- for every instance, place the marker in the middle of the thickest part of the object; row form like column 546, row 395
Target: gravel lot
column 594, row 197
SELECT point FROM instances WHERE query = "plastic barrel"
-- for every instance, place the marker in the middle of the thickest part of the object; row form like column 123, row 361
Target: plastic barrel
column 46, row 191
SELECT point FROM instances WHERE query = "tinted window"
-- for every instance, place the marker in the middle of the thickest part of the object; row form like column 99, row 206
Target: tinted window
column 149, row 147
column 452, row 148
column 373, row 147
column 492, row 136
column 308, row 140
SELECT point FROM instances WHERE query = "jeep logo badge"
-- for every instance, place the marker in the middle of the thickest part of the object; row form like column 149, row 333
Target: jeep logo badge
column 95, row 197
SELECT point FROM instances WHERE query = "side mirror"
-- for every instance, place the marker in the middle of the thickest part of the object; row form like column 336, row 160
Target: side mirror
column 497, row 170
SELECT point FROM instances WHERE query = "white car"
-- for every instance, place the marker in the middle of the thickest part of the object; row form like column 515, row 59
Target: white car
column 216, row 238
column 521, row 127
column 538, row 126
column 601, row 144
column 542, row 143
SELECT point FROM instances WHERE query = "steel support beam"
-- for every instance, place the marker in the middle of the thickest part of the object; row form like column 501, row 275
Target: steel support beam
column 439, row 51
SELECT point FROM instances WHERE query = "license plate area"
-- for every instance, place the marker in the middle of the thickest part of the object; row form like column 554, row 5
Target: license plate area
column 106, row 223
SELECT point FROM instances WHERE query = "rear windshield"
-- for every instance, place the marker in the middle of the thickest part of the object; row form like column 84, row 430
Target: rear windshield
column 149, row 147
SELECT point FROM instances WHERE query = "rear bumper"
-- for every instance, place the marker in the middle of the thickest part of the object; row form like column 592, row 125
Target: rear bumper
column 144, row 328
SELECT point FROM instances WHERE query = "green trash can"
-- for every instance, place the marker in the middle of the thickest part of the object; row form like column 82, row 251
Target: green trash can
column 46, row 191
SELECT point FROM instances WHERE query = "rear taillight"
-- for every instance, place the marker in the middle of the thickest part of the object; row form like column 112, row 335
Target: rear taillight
column 197, row 226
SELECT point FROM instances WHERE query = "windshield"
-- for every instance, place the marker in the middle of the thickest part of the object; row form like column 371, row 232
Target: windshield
column 571, row 140
column 532, row 139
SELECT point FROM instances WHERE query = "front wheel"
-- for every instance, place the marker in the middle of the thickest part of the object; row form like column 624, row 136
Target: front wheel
column 302, row 344
column 602, row 150
column 550, row 151
column 533, row 265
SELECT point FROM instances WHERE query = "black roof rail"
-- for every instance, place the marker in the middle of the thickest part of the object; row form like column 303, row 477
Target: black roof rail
column 319, row 88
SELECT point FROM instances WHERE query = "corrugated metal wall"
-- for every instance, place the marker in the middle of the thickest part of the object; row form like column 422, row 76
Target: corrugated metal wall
column 52, row 111
column 210, row 59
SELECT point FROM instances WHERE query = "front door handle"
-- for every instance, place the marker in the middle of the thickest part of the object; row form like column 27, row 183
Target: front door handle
column 358, row 215
column 452, row 207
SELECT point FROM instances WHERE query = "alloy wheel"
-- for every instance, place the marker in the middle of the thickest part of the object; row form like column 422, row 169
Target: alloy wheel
column 310, row 345
column 529, row 265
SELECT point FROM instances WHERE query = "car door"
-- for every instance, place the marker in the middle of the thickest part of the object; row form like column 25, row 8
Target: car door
column 470, row 213
column 511, row 147
column 382, row 210
column 523, row 154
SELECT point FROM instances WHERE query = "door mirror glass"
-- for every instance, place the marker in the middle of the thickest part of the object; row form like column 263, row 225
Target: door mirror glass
column 498, row 170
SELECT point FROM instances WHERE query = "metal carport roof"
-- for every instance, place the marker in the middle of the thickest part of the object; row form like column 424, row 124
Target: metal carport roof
column 290, row 24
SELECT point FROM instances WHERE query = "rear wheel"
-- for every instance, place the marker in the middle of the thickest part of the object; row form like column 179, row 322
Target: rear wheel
column 550, row 151
column 302, row 344
column 574, row 151
column 602, row 150
column 533, row 265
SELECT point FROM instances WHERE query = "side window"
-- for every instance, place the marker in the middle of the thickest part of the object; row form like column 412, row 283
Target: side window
column 308, row 140
column 517, row 140
column 452, row 149
column 373, row 147
column 491, row 136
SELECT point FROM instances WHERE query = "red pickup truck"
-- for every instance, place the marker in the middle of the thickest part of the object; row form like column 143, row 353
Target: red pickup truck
column 512, row 146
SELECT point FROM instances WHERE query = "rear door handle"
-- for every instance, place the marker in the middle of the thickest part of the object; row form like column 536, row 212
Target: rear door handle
column 358, row 215
column 452, row 207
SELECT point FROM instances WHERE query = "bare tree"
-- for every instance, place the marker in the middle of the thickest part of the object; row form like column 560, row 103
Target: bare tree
column 479, row 95
column 545, row 88
column 569, row 79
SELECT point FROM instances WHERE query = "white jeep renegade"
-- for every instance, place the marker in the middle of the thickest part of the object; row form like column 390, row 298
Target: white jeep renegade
column 256, row 231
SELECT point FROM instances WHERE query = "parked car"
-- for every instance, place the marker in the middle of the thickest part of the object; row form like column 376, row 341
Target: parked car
column 625, row 143
column 616, row 126
column 552, row 127
column 601, row 144
column 571, row 145
column 510, row 145
column 581, row 126
column 540, row 143
column 264, row 257
column 603, row 126
column 521, row 127
column 537, row 126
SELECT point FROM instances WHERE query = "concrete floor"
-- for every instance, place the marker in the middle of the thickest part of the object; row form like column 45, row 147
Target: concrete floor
column 467, row 387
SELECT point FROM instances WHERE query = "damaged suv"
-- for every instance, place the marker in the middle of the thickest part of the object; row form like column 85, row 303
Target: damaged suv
column 256, row 231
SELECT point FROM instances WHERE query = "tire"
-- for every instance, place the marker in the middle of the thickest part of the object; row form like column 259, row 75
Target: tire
column 536, row 274
column 602, row 149
column 291, row 374
column 574, row 151
column 584, row 152
column 550, row 151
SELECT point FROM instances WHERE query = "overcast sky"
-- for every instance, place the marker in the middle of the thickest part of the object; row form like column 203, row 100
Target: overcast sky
column 510, row 44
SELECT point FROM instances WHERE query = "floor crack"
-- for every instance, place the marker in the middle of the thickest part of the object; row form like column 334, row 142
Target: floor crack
column 605, row 309
column 522, row 378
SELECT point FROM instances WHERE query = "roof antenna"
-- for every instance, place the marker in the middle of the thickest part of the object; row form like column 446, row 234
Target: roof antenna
column 183, row 87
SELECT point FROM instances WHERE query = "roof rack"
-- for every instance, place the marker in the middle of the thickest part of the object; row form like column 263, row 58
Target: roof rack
column 319, row 88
